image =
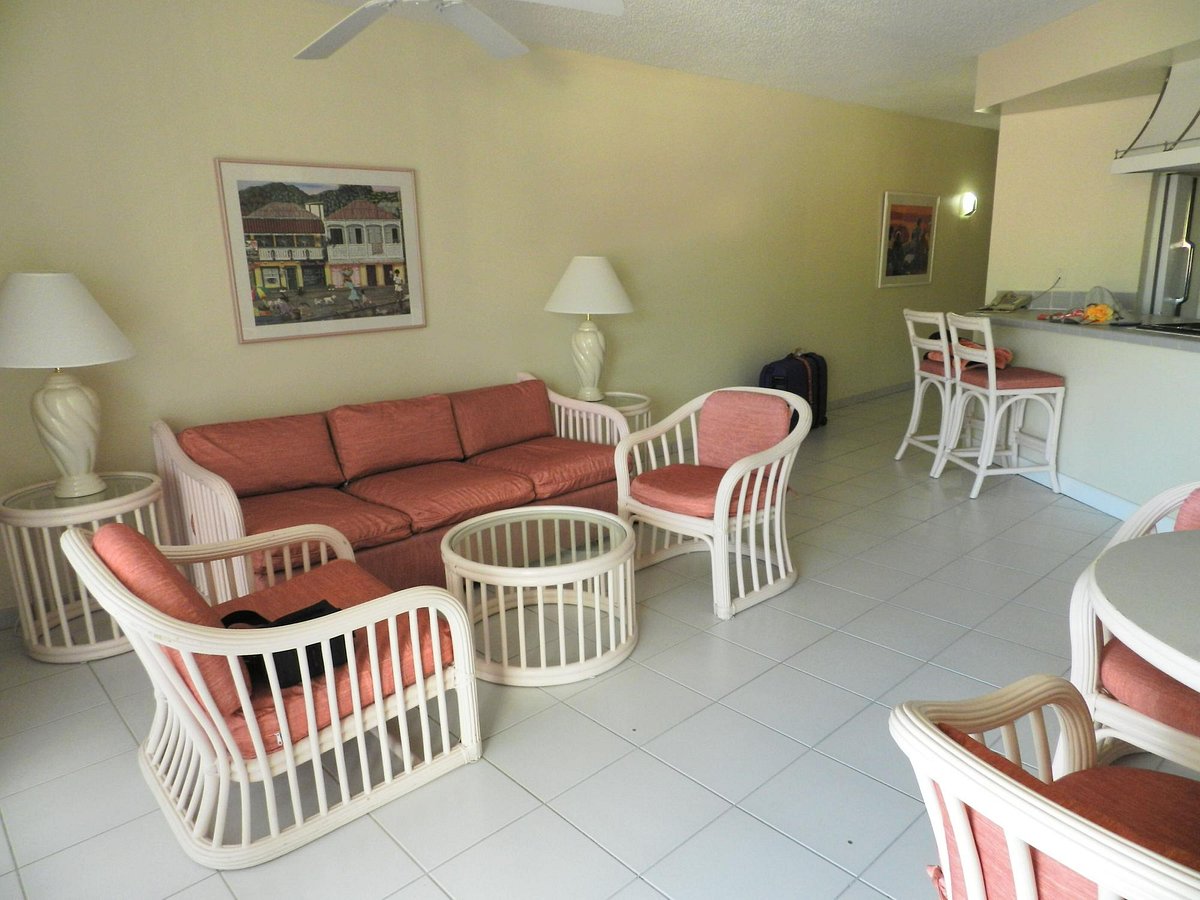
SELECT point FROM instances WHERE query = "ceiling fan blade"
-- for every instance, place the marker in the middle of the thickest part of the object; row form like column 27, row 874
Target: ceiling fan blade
column 606, row 7
column 343, row 31
column 482, row 29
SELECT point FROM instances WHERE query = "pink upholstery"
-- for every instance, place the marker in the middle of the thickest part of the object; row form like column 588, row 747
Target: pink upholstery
column 1188, row 517
column 1139, row 685
column 364, row 524
column 1002, row 355
column 932, row 366
column 555, row 465
column 687, row 490
column 493, row 417
column 394, row 434
column 138, row 565
column 264, row 455
column 344, row 584
column 735, row 424
column 1154, row 809
column 1013, row 378
column 444, row 493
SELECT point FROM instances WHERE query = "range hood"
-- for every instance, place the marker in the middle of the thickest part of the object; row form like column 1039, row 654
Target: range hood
column 1170, row 139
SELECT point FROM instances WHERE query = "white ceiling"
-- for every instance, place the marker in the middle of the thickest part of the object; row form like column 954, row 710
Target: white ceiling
column 912, row 56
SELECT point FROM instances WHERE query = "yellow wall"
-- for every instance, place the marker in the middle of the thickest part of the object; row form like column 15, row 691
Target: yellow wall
column 742, row 221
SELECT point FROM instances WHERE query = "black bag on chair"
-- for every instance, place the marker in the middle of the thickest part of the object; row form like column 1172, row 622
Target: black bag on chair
column 287, row 662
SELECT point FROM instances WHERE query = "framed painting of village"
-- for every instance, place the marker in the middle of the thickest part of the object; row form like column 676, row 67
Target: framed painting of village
column 906, row 241
column 318, row 250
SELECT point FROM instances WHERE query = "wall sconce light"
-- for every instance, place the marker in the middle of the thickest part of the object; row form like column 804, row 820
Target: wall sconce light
column 968, row 203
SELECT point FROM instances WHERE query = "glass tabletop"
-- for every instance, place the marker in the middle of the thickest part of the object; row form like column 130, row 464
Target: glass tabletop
column 116, row 485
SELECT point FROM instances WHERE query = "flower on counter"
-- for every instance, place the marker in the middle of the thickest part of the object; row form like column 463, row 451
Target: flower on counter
column 1092, row 314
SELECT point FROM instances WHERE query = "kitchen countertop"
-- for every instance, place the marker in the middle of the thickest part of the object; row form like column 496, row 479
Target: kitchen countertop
column 1028, row 318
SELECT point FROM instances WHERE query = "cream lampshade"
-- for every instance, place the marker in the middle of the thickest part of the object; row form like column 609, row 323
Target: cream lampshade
column 589, row 288
column 50, row 321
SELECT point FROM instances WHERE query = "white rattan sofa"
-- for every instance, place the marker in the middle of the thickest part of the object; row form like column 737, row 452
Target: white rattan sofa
column 246, row 770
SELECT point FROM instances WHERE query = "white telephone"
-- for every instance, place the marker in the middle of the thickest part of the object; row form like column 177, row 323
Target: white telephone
column 1007, row 301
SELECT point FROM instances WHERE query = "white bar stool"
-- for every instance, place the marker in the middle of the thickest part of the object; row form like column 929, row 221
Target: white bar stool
column 1002, row 395
column 928, row 375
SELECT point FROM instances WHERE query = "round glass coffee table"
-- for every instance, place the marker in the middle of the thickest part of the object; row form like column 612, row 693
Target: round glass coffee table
column 549, row 589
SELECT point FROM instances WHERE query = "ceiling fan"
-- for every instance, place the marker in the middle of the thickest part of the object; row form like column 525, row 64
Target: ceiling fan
column 476, row 24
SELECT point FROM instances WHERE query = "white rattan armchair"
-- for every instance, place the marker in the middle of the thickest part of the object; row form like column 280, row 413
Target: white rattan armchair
column 1003, row 832
column 245, row 772
column 731, row 505
column 1121, row 727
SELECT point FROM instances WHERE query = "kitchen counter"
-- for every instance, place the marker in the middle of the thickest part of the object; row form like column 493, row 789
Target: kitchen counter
column 1028, row 318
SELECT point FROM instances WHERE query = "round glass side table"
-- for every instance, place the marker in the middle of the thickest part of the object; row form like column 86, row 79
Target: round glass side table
column 634, row 407
column 60, row 621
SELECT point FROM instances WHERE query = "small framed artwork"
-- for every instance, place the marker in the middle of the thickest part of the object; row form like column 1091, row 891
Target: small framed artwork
column 906, row 241
column 318, row 250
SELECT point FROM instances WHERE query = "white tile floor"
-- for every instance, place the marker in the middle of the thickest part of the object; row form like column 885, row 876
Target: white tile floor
column 747, row 758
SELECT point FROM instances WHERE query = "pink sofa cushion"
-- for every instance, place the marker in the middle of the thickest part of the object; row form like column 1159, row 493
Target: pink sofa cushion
column 688, row 490
column 344, row 584
column 394, row 434
column 493, row 417
column 735, row 424
column 139, row 565
column 364, row 524
column 1188, row 517
column 1157, row 810
column 555, row 465
column 260, row 456
column 443, row 493
column 1013, row 378
column 1140, row 686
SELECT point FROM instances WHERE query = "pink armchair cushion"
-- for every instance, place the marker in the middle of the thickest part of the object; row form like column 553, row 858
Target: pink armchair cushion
column 1140, row 686
column 394, row 434
column 736, row 424
column 344, row 584
column 687, row 490
column 1157, row 810
column 139, row 565
column 555, row 465
column 493, row 417
column 443, row 493
column 364, row 524
column 260, row 456
column 1014, row 378
column 1188, row 517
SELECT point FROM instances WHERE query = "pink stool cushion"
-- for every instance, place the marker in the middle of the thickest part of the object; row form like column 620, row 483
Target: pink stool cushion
column 736, row 424
column 932, row 367
column 344, row 584
column 492, row 417
column 443, row 493
column 139, row 565
column 261, row 456
column 1188, row 517
column 364, row 524
column 1157, row 810
column 555, row 465
column 1014, row 378
column 393, row 434
column 1140, row 686
column 686, row 489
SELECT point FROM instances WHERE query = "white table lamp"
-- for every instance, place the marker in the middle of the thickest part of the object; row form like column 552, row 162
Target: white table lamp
column 50, row 321
column 589, row 288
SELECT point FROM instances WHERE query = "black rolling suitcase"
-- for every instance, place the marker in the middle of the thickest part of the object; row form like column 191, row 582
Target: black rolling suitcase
column 805, row 374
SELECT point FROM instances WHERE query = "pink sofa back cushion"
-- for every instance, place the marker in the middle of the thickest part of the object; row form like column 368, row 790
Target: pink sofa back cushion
column 493, row 417
column 139, row 565
column 260, row 456
column 1188, row 517
column 394, row 434
column 735, row 424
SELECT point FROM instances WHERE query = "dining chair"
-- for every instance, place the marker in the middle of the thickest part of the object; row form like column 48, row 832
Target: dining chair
column 244, row 764
column 1005, row 825
column 1002, row 395
column 931, row 360
column 713, row 477
column 1135, row 705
